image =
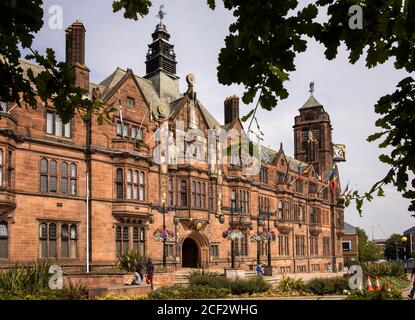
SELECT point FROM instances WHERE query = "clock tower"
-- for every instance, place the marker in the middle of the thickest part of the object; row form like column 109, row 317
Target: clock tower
column 313, row 134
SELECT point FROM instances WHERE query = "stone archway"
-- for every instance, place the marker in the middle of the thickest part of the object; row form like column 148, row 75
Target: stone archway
column 194, row 249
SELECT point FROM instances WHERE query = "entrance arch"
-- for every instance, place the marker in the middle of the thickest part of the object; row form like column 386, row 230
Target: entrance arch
column 194, row 249
column 190, row 254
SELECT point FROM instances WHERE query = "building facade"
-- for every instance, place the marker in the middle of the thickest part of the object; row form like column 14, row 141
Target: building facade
column 350, row 245
column 71, row 189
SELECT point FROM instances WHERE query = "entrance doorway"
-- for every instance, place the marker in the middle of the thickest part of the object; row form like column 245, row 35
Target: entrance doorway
column 190, row 254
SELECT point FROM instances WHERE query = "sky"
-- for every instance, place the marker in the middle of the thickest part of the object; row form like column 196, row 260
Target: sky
column 347, row 92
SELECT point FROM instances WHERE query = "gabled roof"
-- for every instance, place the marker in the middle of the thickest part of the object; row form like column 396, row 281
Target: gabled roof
column 410, row 230
column 311, row 103
column 349, row 229
column 145, row 86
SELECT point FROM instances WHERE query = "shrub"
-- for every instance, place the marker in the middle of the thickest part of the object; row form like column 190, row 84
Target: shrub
column 322, row 286
column 129, row 259
column 375, row 295
column 76, row 291
column 191, row 292
column 250, row 286
column 288, row 284
column 384, row 269
column 28, row 279
column 213, row 280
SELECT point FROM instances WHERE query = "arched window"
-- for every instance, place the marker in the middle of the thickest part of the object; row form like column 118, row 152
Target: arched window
column 53, row 180
column 118, row 240
column 211, row 198
column 280, row 210
column 64, row 241
column 129, row 184
column 1, row 167
column 73, row 242
column 193, row 193
column 135, row 185
column 44, row 171
column 203, row 199
column 64, row 178
column 139, row 240
column 199, row 195
column 183, row 193
column 312, row 215
column 171, row 192
column 119, row 181
column 43, row 240
column 4, row 241
column 125, row 239
column 73, row 175
column 52, row 240
column 233, row 199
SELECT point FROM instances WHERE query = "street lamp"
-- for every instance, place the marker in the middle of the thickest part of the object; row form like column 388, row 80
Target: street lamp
column 233, row 209
column 404, row 239
column 261, row 215
column 163, row 209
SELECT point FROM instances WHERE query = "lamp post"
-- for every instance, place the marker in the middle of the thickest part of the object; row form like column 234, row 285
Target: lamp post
column 163, row 209
column 404, row 239
column 233, row 209
column 261, row 215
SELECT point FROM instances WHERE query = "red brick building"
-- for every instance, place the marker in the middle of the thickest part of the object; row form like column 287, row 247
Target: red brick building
column 55, row 177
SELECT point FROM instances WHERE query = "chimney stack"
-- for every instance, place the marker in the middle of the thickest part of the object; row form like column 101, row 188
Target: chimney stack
column 75, row 53
column 231, row 109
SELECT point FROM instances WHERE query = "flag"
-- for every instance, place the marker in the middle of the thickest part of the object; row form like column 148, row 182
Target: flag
column 332, row 179
column 265, row 155
column 321, row 174
column 306, row 170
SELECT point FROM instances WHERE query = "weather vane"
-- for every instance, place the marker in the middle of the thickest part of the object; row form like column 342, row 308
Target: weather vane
column 311, row 87
column 161, row 13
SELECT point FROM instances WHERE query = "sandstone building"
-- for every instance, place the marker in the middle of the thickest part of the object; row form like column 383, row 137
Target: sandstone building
column 55, row 176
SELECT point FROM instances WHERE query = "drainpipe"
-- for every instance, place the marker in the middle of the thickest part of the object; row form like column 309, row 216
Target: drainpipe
column 88, row 192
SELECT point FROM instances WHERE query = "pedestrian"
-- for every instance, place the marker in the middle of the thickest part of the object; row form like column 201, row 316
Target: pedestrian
column 150, row 272
column 138, row 274
column 329, row 268
column 412, row 293
column 260, row 270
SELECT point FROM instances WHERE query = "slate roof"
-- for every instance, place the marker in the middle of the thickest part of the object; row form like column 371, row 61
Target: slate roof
column 311, row 103
column 410, row 230
column 349, row 229
column 152, row 97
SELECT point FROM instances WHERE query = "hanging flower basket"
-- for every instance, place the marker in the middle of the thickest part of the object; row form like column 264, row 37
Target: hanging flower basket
column 232, row 234
column 161, row 235
column 263, row 236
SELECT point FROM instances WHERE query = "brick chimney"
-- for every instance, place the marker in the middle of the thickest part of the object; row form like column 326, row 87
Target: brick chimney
column 231, row 109
column 75, row 53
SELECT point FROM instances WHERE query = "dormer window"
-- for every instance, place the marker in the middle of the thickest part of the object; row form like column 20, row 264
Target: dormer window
column 56, row 127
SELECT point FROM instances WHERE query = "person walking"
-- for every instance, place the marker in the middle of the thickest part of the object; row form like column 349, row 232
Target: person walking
column 260, row 270
column 412, row 293
column 150, row 272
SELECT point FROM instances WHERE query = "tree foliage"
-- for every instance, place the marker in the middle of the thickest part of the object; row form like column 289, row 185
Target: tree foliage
column 368, row 251
column 394, row 247
column 259, row 53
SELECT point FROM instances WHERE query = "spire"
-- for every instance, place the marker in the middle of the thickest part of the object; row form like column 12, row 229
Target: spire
column 161, row 56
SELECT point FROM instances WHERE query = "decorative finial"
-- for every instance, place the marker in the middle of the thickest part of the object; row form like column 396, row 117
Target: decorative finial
column 311, row 87
column 161, row 13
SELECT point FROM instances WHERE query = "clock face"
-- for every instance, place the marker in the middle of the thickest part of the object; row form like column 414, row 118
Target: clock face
column 339, row 152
